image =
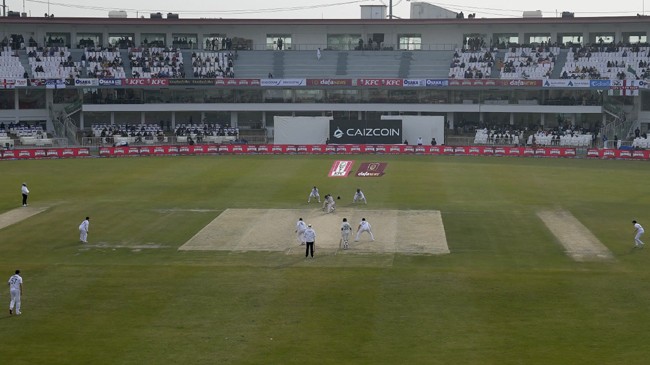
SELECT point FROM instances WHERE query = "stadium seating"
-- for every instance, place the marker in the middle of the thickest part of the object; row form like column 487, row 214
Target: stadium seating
column 529, row 63
column 52, row 62
column 471, row 65
column 104, row 63
column 156, row 62
column 10, row 66
column 212, row 64
column 614, row 63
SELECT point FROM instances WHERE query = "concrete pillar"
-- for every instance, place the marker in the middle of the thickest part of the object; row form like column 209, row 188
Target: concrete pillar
column 512, row 118
column 81, row 121
column 450, row 119
column 112, row 118
column 234, row 119
column 142, row 118
column 542, row 120
column 173, row 121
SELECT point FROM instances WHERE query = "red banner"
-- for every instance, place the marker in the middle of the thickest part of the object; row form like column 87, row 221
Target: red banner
column 618, row 154
column 37, row 153
column 146, row 82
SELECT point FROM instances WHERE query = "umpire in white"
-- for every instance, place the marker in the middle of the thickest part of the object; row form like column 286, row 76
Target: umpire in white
column 310, row 238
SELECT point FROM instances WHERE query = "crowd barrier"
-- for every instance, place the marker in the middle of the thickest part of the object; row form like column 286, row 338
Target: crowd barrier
column 252, row 149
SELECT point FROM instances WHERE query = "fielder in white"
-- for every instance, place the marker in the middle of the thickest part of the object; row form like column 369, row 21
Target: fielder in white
column 301, row 227
column 16, row 290
column 83, row 230
column 313, row 194
column 359, row 197
column 346, row 229
column 364, row 226
column 639, row 232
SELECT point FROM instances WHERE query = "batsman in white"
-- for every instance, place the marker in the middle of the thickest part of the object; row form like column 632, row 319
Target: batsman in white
column 359, row 197
column 313, row 194
column 330, row 204
column 16, row 290
column 364, row 226
column 346, row 229
column 639, row 232
column 83, row 230
column 301, row 227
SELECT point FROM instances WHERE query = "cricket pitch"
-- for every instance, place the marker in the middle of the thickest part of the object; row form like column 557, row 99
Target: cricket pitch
column 395, row 231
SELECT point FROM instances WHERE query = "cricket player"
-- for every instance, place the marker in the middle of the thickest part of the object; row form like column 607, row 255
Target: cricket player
column 364, row 226
column 83, row 230
column 300, row 229
column 346, row 229
column 359, row 197
column 325, row 201
column 313, row 194
column 639, row 232
column 16, row 290
column 25, row 193
column 331, row 204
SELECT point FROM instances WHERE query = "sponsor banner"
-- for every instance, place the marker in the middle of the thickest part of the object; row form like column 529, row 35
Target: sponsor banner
column 344, row 131
column 146, row 82
column 7, row 83
column 625, row 87
column 618, row 154
column 21, row 82
column 110, row 82
column 474, row 82
column 237, row 82
column 437, row 82
column 371, row 169
column 190, row 82
column 329, row 82
column 38, row 153
column 380, row 82
column 340, row 168
column 414, row 82
column 283, row 82
column 600, row 84
column 55, row 84
column 494, row 83
column 86, row 82
column 566, row 83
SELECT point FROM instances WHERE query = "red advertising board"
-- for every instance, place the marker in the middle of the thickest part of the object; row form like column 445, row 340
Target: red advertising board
column 146, row 82
column 618, row 154
column 380, row 82
column 37, row 153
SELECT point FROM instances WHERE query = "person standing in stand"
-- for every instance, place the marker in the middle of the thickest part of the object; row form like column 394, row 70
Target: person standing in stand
column 25, row 193
column 310, row 238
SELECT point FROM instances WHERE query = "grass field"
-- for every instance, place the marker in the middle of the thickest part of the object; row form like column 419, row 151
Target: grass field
column 506, row 294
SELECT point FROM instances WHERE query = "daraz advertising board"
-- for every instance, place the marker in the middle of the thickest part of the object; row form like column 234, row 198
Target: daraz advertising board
column 344, row 131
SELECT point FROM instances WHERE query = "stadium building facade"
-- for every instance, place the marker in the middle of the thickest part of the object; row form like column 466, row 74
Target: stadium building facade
column 577, row 72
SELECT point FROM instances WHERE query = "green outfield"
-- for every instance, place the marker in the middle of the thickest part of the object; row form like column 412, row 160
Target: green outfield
column 512, row 289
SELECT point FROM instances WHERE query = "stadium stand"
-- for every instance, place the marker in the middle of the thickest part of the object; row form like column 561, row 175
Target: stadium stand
column 156, row 62
column 103, row 63
column 614, row 62
column 213, row 64
column 471, row 65
column 52, row 62
column 529, row 63
column 10, row 66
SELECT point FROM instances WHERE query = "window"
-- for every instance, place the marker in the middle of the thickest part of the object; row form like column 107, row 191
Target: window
column 344, row 42
column 568, row 39
column 57, row 39
column 474, row 41
column 635, row 37
column 121, row 40
column 89, row 40
column 185, row 41
column 278, row 41
column 153, row 40
column 604, row 38
column 214, row 42
column 409, row 42
column 537, row 39
column 505, row 40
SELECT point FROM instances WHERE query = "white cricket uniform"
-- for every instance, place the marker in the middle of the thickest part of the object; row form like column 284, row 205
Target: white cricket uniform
column 83, row 231
column 364, row 226
column 15, row 284
column 300, row 229
column 331, row 204
column 639, row 233
column 313, row 194
column 346, row 229
column 359, row 197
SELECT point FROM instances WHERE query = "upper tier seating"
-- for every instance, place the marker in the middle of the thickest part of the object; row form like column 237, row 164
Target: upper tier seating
column 529, row 63
column 610, row 62
column 52, row 62
column 471, row 65
column 156, row 62
column 212, row 64
column 105, row 62
column 10, row 66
